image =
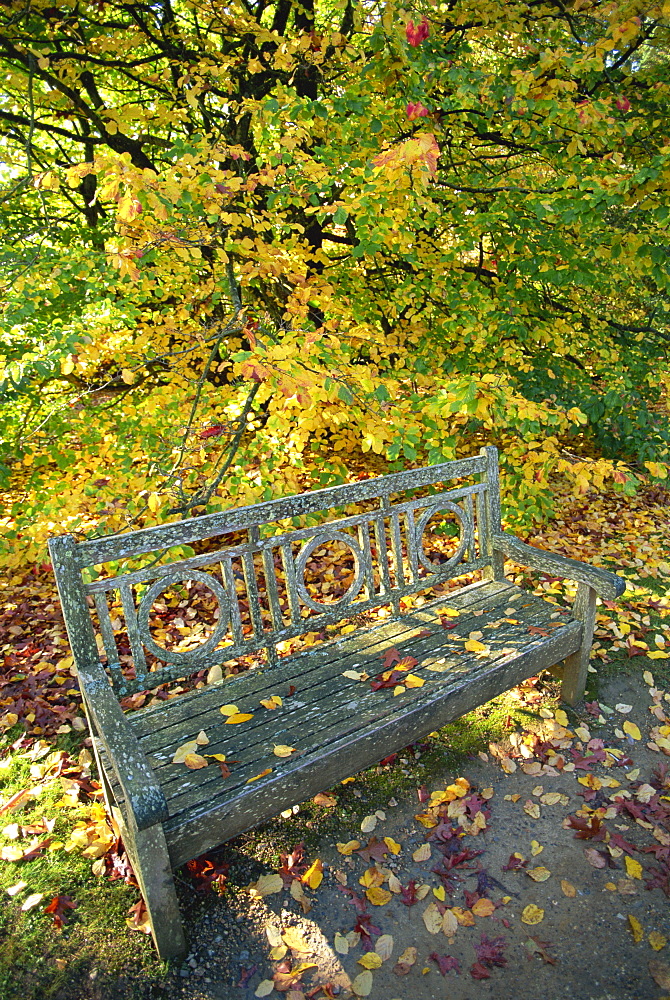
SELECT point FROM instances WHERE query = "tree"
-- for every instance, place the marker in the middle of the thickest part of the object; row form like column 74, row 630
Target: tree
column 245, row 242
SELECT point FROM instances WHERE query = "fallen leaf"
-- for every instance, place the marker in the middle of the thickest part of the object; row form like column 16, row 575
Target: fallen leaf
column 313, row 877
column 432, row 918
column 632, row 730
column 264, row 988
column 195, row 761
column 31, row 901
column 362, row 984
column 532, row 809
column 348, row 848
column 368, row 824
column 539, row 874
column 633, row 868
column 594, row 857
column 657, row 940
column 238, row 717
column 271, row 703
column 370, row 960
column 484, row 907
column 13, row 890
column 449, row 923
column 341, row 944
column 378, row 896
column 268, row 770
column 405, row 961
column 532, row 914
column 422, row 853
column 660, row 973
column 298, row 893
column 568, row 888
column 321, row 799
column 636, row 928
column 268, row 884
column 294, row 940
column 384, row 946
column 281, row 750
column 202, row 738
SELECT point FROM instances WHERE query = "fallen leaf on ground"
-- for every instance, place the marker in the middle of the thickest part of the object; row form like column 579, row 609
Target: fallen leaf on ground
column 384, row 946
column 281, row 750
column 405, row 961
column 660, row 973
column 568, row 888
column 532, row 914
column 633, row 868
column 313, row 877
column 267, row 884
column 370, row 960
column 362, row 984
column 636, row 928
column 539, row 874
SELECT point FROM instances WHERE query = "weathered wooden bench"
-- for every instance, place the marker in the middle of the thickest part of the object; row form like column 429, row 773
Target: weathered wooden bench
column 342, row 708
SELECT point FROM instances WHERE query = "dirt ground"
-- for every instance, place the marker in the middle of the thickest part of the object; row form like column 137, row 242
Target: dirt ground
column 600, row 932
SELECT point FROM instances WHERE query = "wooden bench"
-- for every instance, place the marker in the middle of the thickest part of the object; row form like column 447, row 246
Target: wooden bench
column 341, row 708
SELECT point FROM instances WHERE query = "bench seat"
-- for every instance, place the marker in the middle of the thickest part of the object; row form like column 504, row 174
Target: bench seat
column 330, row 715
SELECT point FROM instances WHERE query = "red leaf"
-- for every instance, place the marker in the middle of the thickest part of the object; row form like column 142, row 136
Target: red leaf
column 477, row 971
column 59, row 907
column 445, row 963
column 213, row 431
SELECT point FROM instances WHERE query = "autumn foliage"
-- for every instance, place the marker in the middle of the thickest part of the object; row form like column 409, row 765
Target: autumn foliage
column 245, row 244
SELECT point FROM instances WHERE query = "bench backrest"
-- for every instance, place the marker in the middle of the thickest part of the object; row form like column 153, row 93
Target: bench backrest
column 255, row 567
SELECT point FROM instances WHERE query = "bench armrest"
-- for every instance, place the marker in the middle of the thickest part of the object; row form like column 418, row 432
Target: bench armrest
column 143, row 796
column 606, row 584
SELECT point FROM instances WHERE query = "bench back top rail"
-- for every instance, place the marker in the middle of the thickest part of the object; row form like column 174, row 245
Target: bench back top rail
column 258, row 579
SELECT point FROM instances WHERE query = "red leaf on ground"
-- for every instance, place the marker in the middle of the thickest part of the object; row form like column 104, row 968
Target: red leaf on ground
column 59, row 908
column 445, row 963
column 586, row 829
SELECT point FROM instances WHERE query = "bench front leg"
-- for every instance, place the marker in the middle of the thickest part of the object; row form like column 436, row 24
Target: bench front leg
column 575, row 667
column 150, row 859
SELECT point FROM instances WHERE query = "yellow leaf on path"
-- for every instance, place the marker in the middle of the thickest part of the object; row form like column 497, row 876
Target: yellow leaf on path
column 532, row 914
column 293, row 939
column 432, row 918
column 271, row 703
column 539, row 874
column 464, row 917
column 341, row 944
column 202, row 738
column 362, row 984
column 439, row 893
column 280, row 750
column 422, row 853
column 264, row 988
column 536, row 848
column 368, row 824
column 348, row 848
column 632, row 730
column 636, row 928
column 195, row 761
column 370, row 960
column 298, row 893
column 313, row 877
column 561, row 717
column 229, row 710
column 449, row 923
column 532, row 808
column 657, row 941
column 658, row 654
column 221, row 757
column 483, row 908
column 568, row 888
column 355, row 675
column 449, row 612
column 384, row 946
column 239, row 717
column 268, row 770
column 378, row 896
column 393, row 845
column 660, row 973
column 633, row 868
column 475, row 646
column 268, row 884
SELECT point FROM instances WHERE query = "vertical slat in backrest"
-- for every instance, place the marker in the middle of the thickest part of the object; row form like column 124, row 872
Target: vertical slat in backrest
column 259, row 582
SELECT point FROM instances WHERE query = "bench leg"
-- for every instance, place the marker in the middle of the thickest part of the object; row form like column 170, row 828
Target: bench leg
column 575, row 667
column 151, row 864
